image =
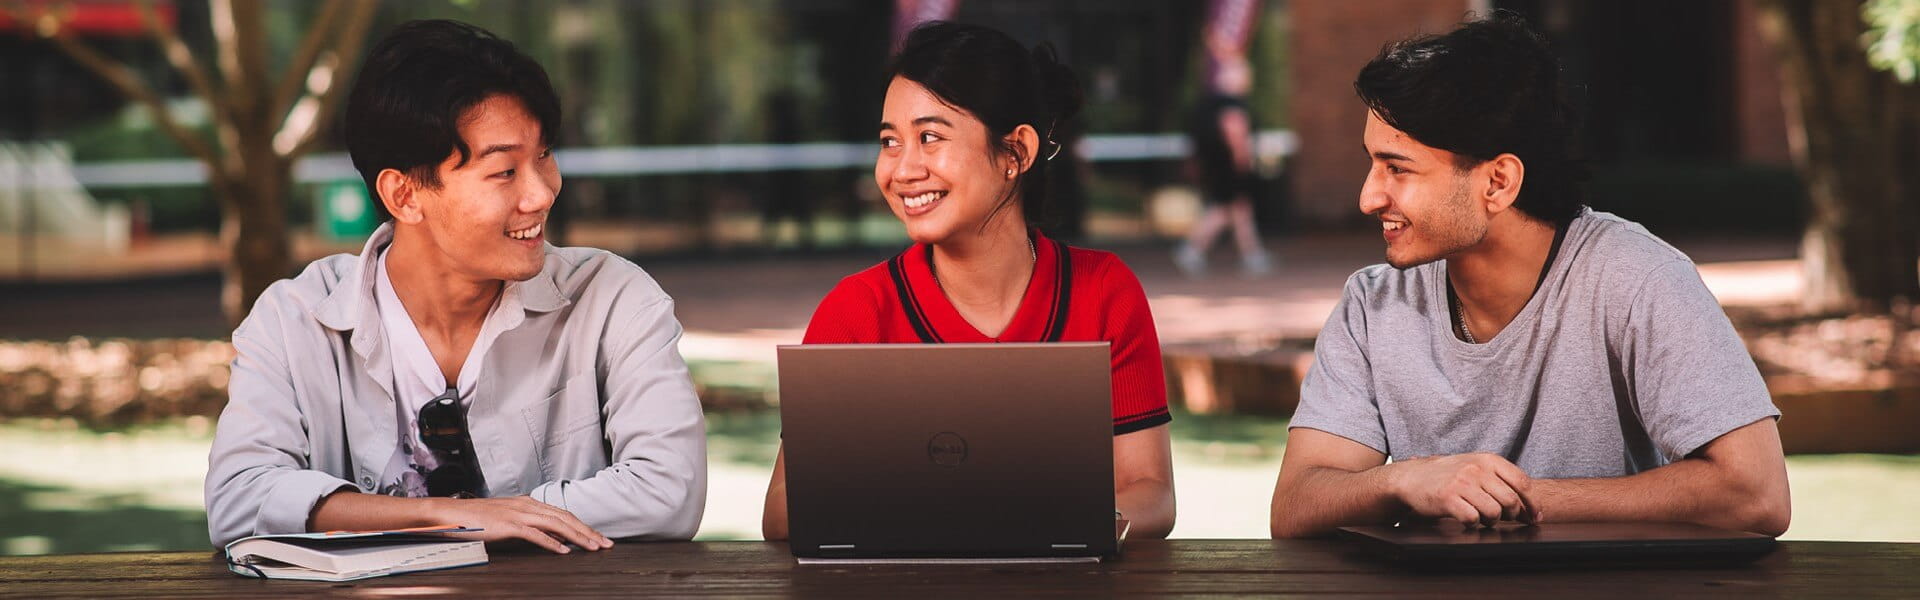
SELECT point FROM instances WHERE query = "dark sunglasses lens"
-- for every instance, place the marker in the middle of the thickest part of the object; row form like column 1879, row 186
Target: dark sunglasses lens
column 441, row 427
column 450, row 479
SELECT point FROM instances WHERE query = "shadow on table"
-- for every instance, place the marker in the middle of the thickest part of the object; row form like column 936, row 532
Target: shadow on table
column 40, row 519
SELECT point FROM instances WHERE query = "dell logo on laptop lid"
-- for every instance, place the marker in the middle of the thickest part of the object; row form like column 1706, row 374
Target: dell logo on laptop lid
column 947, row 449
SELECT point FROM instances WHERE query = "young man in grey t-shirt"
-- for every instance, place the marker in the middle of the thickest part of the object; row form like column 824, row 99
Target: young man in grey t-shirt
column 1520, row 357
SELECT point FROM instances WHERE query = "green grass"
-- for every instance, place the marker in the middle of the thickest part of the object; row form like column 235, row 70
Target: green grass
column 66, row 489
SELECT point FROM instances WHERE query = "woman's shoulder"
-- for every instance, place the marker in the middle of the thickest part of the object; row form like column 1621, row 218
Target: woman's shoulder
column 1099, row 266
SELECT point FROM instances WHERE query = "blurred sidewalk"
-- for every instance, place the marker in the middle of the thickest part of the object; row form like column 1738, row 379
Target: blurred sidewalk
column 738, row 308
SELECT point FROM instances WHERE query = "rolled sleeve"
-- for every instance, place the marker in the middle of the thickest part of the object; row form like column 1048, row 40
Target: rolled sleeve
column 259, row 477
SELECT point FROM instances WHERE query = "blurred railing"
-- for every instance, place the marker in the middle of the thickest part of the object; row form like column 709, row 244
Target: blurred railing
column 667, row 160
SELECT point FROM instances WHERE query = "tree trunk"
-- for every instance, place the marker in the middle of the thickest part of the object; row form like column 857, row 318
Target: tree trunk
column 1860, row 248
column 253, row 230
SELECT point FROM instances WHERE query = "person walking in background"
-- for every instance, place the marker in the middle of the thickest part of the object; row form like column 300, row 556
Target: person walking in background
column 1221, row 130
column 965, row 139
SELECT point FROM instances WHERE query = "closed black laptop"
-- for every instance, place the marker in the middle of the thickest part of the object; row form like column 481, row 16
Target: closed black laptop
column 1449, row 546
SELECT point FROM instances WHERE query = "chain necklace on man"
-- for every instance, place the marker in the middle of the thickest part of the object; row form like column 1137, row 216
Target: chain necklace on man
column 1460, row 320
column 1460, row 311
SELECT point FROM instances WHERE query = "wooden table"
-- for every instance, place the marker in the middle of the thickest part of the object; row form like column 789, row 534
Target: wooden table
column 1153, row 568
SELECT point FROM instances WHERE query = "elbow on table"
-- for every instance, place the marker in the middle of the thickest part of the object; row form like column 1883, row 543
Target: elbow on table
column 1768, row 514
column 1290, row 524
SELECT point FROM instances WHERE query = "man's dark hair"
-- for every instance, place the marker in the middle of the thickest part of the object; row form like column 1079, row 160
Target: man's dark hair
column 405, row 109
column 987, row 73
column 1490, row 87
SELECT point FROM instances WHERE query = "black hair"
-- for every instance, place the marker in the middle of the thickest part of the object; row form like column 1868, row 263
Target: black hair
column 1490, row 87
column 988, row 74
column 405, row 109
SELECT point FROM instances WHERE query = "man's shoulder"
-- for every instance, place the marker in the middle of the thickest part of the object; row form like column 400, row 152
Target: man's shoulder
column 1617, row 254
column 297, row 303
column 1614, row 239
column 579, row 272
column 1384, row 282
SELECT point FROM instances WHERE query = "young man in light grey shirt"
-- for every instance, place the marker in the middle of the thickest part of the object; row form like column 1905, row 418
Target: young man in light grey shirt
column 1520, row 357
column 460, row 370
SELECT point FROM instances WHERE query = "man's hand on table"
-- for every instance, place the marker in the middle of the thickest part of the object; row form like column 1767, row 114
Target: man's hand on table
column 1475, row 489
column 520, row 517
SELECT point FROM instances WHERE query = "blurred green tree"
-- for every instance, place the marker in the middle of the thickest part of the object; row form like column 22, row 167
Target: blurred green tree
column 1856, row 141
column 263, row 123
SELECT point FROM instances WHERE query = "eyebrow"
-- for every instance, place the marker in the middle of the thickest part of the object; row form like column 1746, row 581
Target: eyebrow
column 1385, row 155
column 937, row 120
column 496, row 148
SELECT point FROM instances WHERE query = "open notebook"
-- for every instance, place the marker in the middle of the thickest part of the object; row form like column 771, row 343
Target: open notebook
column 350, row 555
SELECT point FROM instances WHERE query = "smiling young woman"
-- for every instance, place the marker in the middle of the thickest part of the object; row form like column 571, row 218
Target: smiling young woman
column 965, row 136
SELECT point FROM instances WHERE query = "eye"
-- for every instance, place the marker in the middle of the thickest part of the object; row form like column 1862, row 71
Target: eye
column 507, row 174
column 1396, row 170
column 889, row 142
column 545, row 154
column 927, row 137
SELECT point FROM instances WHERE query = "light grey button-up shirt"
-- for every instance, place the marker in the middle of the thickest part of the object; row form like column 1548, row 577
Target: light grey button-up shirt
column 590, row 340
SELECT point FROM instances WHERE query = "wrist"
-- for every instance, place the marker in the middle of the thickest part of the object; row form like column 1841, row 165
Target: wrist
column 435, row 511
column 1392, row 482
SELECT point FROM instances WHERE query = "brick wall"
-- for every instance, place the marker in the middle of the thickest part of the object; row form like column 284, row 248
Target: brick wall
column 1331, row 40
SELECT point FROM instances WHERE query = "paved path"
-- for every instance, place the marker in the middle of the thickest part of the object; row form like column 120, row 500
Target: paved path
column 739, row 307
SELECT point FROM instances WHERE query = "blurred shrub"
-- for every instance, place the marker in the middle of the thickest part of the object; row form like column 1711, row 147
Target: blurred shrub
column 113, row 382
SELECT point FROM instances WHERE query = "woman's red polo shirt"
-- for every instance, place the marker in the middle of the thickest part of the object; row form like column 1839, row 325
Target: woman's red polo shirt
column 1075, row 295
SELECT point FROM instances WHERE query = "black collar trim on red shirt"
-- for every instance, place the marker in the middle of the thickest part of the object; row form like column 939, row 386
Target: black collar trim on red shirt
column 1062, row 292
column 908, row 304
column 923, row 327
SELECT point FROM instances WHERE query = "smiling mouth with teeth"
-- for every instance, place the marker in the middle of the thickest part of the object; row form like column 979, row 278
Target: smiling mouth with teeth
column 528, row 233
column 922, row 199
column 1392, row 225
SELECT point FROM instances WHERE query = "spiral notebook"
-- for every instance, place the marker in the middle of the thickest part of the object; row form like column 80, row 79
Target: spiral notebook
column 350, row 555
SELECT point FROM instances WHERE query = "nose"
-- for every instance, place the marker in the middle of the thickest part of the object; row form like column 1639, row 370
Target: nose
column 909, row 165
column 540, row 192
column 1373, row 198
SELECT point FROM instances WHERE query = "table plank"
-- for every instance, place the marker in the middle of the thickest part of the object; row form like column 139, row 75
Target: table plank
column 1179, row 567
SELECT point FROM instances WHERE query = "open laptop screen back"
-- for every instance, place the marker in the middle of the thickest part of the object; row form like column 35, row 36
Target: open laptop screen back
column 948, row 449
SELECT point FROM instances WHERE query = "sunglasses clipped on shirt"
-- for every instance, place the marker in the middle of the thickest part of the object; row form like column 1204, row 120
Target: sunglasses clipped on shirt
column 443, row 428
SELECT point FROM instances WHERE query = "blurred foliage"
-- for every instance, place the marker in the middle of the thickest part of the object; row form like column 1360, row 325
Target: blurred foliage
column 1697, row 196
column 1893, row 37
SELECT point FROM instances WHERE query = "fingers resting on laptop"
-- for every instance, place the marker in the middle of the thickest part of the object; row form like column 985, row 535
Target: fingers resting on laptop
column 1476, row 489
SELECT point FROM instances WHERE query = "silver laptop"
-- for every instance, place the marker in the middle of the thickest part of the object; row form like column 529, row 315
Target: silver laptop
column 948, row 450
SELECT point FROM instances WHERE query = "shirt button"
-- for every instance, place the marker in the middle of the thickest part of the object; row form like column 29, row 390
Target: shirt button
column 366, row 482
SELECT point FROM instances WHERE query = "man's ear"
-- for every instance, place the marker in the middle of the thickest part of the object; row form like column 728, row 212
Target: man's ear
column 1503, row 176
column 1026, row 145
column 396, row 193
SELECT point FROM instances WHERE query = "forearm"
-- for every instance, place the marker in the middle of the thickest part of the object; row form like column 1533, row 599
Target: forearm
column 1148, row 505
column 1693, row 490
column 773, row 519
column 1316, row 500
column 354, row 511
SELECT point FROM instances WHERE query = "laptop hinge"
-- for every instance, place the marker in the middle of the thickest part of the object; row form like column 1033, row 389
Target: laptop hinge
column 836, row 546
column 1069, row 546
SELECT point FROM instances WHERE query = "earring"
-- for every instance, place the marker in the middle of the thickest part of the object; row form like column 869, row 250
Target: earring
column 1009, row 172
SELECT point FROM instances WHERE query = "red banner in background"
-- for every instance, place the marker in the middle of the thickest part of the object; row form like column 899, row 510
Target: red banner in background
column 101, row 18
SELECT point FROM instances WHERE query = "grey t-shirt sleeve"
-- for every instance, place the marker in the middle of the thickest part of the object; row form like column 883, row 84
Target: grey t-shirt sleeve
column 1691, row 376
column 1337, row 396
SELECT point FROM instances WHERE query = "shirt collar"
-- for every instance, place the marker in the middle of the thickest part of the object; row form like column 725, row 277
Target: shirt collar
column 350, row 305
